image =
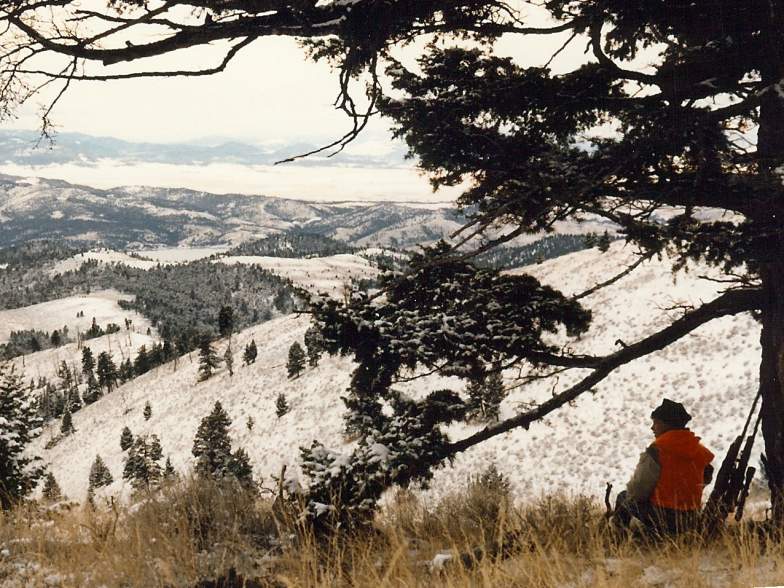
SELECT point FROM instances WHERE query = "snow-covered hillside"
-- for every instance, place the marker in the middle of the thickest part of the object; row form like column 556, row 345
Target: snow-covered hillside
column 48, row 316
column 330, row 275
column 713, row 372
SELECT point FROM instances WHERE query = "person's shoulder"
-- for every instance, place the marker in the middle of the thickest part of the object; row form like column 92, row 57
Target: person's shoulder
column 653, row 452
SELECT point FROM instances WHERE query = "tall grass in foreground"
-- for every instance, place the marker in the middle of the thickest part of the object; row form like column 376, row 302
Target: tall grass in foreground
column 194, row 531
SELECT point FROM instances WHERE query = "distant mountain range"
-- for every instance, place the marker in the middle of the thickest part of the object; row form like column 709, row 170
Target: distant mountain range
column 140, row 217
column 26, row 148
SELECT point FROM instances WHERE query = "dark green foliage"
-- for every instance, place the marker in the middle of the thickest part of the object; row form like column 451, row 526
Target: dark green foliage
column 225, row 321
column 208, row 359
column 250, row 353
column 181, row 300
column 228, row 359
column 281, row 405
column 141, row 365
column 314, row 343
column 540, row 250
column 147, row 412
column 169, row 473
column 296, row 360
column 66, row 425
column 126, row 371
column 35, row 253
column 99, row 474
column 106, row 371
column 29, row 341
column 94, row 331
column 19, row 472
column 126, row 438
column 212, row 450
column 51, row 490
column 142, row 468
column 292, row 244
column 93, row 392
column 88, row 361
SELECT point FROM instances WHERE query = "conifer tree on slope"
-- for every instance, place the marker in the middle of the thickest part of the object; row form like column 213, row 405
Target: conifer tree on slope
column 212, row 450
column 106, row 371
column 99, row 474
column 281, row 405
column 88, row 361
column 296, row 361
column 314, row 343
column 208, row 359
column 228, row 358
column 19, row 472
column 126, row 439
column 698, row 123
column 51, row 490
column 66, row 424
column 225, row 320
column 142, row 468
column 250, row 353
column 147, row 412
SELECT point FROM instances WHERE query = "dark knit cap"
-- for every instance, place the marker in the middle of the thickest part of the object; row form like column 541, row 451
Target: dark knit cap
column 671, row 413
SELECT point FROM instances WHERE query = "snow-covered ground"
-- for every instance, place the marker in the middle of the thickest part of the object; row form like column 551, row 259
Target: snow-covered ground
column 180, row 254
column 120, row 346
column 329, row 274
column 48, row 316
column 712, row 371
column 101, row 256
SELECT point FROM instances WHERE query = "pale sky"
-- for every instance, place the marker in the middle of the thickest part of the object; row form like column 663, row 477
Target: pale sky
column 270, row 93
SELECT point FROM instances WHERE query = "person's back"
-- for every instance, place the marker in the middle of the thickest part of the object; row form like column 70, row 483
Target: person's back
column 665, row 491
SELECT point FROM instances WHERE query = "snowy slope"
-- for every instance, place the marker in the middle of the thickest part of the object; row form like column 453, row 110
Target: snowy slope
column 330, row 274
column 713, row 371
column 51, row 315
column 120, row 346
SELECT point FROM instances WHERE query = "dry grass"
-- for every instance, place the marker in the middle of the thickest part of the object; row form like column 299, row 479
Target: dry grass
column 194, row 531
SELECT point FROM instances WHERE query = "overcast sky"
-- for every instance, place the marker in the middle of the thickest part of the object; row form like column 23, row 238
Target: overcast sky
column 270, row 93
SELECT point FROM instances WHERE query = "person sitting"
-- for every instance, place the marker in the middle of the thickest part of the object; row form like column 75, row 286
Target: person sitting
column 665, row 491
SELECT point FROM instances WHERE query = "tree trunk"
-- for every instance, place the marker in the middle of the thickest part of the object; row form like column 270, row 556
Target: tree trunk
column 771, row 380
column 770, row 218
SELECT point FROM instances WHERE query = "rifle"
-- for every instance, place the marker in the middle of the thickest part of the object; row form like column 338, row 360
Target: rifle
column 734, row 478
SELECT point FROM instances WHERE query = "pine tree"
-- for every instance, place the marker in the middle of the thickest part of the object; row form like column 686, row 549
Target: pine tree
column 126, row 439
column 147, row 411
column 55, row 340
column 296, row 362
column 208, row 359
column 66, row 425
column 169, row 473
column 51, row 490
column 250, row 423
column 19, row 472
column 99, row 474
column 228, row 358
column 225, row 320
column 212, row 446
column 212, row 450
column 281, row 405
column 314, row 343
column 88, row 361
column 142, row 469
column 141, row 365
column 250, row 353
column 93, row 392
column 126, row 372
column 106, row 371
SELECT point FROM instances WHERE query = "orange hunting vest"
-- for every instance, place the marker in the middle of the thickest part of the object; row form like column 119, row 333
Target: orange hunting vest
column 682, row 459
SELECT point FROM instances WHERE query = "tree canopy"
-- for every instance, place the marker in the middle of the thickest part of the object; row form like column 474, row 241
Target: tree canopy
column 676, row 111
